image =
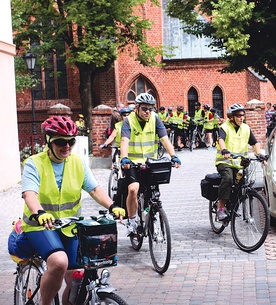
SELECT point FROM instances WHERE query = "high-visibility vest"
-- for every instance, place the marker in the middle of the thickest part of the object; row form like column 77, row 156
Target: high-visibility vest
column 208, row 125
column 198, row 117
column 60, row 203
column 118, row 127
column 143, row 143
column 178, row 119
column 162, row 116
column 236, row 143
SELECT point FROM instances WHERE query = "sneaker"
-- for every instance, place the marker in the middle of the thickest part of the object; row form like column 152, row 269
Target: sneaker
column 131, row 229
column 221, row 214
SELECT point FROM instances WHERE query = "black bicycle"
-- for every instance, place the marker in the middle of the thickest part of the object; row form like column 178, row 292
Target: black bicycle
column 247, row 209
column 93, row 289
column 152, row 221
column 196, row 138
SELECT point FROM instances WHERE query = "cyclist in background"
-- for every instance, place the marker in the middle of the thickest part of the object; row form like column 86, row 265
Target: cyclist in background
column 162, row 114
column 234, row 137
column 52, row 182
column 178, row 117
column 140, row 132
column 208, row 125
column 199, row 116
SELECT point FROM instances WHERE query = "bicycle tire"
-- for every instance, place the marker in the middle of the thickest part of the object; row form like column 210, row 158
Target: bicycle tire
column 161, row 150
column 111, row 298
column 26, row 282
column 159, row 239
column 250, row 222
column 217, row 226
column 113, row 183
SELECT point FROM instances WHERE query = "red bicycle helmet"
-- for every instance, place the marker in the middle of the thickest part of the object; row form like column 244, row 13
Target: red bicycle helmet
column 59, row 126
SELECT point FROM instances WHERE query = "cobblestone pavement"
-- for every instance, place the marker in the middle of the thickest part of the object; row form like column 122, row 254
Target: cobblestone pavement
column 205, row 268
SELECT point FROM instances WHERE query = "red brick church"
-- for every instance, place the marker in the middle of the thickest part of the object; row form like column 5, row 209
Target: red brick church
column 190, row 75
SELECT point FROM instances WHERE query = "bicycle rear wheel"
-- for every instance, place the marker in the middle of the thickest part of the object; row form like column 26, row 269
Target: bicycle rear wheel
column 113, row 183
column 250, row 222
column 27, row 283
column 159, row 239
column 217, row 226
column 111, row 298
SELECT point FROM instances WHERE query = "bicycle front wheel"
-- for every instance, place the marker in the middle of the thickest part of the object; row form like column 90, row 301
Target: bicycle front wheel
column 217, row 226
column 250, row 222
column 159, row 239
column 111, row 298
column 161, row 150
column 27, row 286
column 113, row 183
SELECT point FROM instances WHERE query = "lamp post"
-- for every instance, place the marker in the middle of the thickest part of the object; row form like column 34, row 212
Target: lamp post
column 30, row 59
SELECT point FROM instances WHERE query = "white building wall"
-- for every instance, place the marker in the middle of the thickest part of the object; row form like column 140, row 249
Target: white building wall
column 10, row 173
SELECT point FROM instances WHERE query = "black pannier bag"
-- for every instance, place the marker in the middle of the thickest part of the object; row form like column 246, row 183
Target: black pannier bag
column 160, row 170
column 209, row 186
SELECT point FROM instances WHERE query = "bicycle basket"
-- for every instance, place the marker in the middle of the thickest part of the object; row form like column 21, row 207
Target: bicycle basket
column 160, row 170
column 209, row 186
column 97, row 243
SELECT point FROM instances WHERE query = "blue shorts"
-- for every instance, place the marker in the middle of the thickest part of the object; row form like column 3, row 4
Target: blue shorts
column 46, row 242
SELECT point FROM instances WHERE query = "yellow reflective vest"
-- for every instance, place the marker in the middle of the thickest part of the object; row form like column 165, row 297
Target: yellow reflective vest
column 118, row 127
column 179, row 119
column 208, row 125
column 143, row 143
column 60, row 203
column 236, row 143
column 198, row 117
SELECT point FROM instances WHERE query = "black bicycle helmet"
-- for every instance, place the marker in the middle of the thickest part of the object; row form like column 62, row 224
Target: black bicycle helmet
column 235, row 108
column 206, row 106
column 145, row 98
column 197, row 104
column 180, row 108
column 162, row 108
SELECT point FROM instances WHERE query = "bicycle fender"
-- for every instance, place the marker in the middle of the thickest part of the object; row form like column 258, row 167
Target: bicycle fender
column 106, row 289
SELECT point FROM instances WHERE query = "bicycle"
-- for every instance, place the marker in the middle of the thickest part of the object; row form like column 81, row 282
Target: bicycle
column 160, row 150
column 151, row 219
column 93, row 290
column 172, row 127
column 247, row 209
column 197, row 138
column 115, row 174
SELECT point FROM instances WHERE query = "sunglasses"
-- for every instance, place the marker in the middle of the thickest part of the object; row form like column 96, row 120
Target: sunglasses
column 63, row 142
column 144, row 108
column 239, row 115
column 126, row 114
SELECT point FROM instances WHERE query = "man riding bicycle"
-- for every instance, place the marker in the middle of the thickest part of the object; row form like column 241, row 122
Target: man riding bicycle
column 234, row 137
column 52, row 182
column 140, row 132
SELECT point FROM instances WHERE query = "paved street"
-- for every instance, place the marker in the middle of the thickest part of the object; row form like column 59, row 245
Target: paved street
column 205, row 268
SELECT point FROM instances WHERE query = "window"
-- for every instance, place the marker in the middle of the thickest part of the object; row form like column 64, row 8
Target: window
column 140, row 85
column 192, row 98
column 53, row 83
column 218, row 101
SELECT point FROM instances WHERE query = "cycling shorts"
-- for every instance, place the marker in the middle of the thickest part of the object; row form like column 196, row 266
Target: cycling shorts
column 46, row 242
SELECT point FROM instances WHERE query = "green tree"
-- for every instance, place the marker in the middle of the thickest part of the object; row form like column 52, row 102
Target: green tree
column 94, row 32
column 243, row 29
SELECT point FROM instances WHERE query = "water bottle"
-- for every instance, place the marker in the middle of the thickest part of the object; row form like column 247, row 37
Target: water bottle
column 239, row 176
column 76, row 281
column 145, row 213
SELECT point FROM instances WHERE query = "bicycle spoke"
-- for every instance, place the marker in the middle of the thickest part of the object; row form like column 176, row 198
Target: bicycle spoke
column 159, row 240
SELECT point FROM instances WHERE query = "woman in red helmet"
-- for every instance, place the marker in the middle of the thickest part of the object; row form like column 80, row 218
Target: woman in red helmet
column 52, row 182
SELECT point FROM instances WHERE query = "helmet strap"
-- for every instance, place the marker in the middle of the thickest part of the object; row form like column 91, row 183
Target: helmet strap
column 50, row 147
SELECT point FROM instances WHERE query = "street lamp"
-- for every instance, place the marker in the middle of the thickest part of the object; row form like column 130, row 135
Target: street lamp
column 30, row 59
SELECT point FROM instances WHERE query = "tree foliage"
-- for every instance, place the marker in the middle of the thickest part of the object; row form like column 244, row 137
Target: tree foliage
column 94, row 32
column 243, row 29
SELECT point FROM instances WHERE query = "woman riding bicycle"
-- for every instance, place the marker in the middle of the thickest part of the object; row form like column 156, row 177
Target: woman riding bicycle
column 234, row 137
column 52, row 182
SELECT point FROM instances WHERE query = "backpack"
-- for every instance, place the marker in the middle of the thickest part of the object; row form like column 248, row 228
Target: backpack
column 19, row 246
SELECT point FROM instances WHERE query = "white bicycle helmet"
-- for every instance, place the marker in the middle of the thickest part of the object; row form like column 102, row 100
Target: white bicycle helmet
column 235, row 108
column 145, row 98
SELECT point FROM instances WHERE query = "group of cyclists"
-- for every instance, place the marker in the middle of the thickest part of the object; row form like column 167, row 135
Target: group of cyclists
column 206, row 119
column 52, row 180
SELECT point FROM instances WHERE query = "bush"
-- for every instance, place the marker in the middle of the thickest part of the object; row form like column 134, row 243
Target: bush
column 26, row 152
